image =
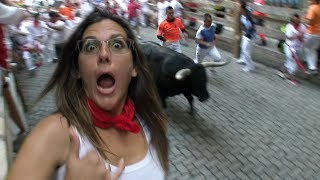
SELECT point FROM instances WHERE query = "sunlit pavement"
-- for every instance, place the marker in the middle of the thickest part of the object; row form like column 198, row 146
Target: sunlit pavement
column 254, row 126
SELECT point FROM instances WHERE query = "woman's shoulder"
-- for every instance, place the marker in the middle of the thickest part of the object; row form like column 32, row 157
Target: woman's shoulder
column 52, row 131
column 55, row 124
column 51, row 135
column 44, row 149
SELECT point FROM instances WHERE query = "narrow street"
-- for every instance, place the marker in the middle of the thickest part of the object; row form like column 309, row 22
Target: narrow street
column 254, row 126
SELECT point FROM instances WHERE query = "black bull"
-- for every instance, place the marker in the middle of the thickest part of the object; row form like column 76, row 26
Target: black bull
column 175, row 73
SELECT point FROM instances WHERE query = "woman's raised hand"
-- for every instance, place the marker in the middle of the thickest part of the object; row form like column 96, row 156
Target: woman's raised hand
column 91, row 166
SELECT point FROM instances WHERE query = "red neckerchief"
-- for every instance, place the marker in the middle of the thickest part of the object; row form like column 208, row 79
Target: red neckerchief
column 36, row 23
column 124, row 121
column 296, row 26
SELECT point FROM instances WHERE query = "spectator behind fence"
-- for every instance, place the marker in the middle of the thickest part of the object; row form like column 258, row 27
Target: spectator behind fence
column 9, row 15
column 169, row 31
column 312, row 37
column 108, row 111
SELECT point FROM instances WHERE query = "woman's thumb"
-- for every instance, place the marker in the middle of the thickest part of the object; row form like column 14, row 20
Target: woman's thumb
column 74, row 144
column 119, row 171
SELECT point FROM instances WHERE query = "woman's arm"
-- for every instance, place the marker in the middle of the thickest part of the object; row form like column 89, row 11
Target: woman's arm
column 43, row 150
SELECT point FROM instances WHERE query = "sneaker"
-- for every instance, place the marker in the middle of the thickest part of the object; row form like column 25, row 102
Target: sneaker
column 247, row 69
column 312, row 72
column 293, row 82
column 13, row 65
column 240, row 61
column 32, row 72
column 281, row 75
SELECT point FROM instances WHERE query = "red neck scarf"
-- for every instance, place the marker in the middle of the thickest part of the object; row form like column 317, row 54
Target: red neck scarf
column 124, row 121
column 36, row 23
column 296, row 26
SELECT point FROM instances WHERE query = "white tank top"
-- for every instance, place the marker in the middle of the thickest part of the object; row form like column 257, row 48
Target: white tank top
column 147, row 168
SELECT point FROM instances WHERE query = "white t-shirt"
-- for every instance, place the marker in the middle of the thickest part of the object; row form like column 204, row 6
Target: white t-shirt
column 162, row 11
column 39, row 32
column 144, row 6
column 177, row 8
column 148, row 168
column 59, row 36
column 293, row 32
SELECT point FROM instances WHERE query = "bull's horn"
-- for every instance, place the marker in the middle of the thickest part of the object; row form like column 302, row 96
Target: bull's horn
column 214, row 64
column 181, row 74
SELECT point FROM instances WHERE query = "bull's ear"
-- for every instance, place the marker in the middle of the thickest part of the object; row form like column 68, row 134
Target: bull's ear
column 181, row 74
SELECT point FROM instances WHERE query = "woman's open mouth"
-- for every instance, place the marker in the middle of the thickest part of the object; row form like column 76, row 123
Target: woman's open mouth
column 106, row 83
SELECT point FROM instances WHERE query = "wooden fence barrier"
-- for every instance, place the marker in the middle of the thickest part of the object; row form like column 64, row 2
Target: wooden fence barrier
column 229, row 39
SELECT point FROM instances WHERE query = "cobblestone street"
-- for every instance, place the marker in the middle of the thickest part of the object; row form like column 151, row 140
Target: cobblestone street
column 254, row 126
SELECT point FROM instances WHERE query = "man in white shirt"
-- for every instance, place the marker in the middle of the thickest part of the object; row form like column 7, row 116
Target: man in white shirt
column 59, row 32
column 295, row 31
column 178, row 8
column 146, row 12
column 162, row 6
column 205, row 39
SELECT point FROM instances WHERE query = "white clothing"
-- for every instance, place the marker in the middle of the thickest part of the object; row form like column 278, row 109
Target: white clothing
column 201, row 53
column 10, row 14
column 245, row 55
column 148, row 168
column 177, row 7
column 293, row 47
column 290, row 62
column 38, row 33
column 173, row 45
column 293, row 32
column 19, row 34
column 145, row 12
column 50, row 50
column 212, row 52
column 312, row 42
column 59, row 36
column 76, row 21
column 85, row 8
column 162, row 11
column 145, row 6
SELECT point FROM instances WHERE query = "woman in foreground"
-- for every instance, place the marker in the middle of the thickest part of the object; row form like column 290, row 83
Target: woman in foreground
column 109, row 123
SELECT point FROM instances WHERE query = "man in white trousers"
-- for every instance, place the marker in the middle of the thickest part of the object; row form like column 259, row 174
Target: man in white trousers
column 312, row 37
column 205, row 38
